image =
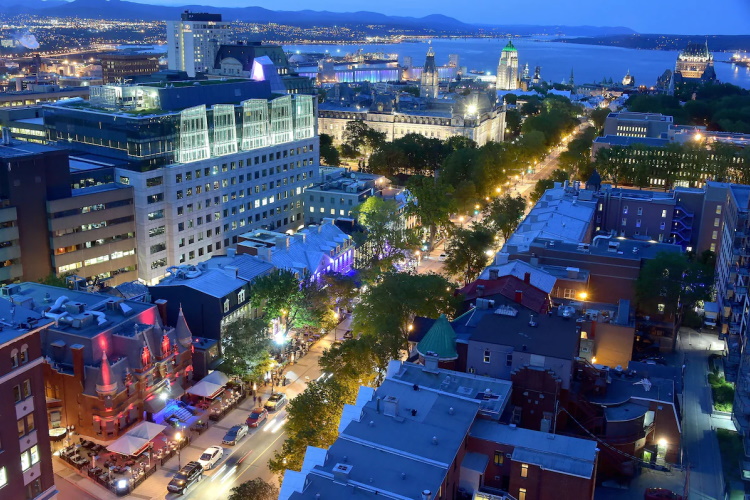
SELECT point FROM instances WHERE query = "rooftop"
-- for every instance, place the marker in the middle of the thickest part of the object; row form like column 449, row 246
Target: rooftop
column 626, row 140
column 622, row 387
column 510, row 324
column 19, row 149
column 564, row 454
column 538, row 277
column 621, row 248
column 15, row 321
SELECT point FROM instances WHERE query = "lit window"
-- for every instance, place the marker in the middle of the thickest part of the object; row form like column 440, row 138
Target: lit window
column 716, row 222
column 660, row 307
column 499, row 458
column 718, row 209
column 521, row 493
column 3, row 477
column 25, row 461
column 714, row 235
column 486, row 355
column 625, row 209
column 524, row 470
column 663, row 214
column 713, row 247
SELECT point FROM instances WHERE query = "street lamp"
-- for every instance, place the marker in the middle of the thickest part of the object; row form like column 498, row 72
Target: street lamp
column 178, row 437
column 462, row 221
column 583, row 296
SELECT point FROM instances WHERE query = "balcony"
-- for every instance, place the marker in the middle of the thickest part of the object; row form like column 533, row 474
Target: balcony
column 8, row 214
column 9, row 273
column 10, row 253
column 9, row 234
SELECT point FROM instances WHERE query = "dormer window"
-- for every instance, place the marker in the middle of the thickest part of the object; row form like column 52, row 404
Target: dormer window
column 241, row 296
column 226, row 305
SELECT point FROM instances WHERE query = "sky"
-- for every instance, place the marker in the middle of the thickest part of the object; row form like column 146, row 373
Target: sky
column 716, row 17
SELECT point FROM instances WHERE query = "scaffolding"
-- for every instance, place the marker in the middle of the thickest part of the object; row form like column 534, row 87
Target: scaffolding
column 194, row 144
column 304, row 118
column 225, row 131
column 281, row 120
column 254, row 124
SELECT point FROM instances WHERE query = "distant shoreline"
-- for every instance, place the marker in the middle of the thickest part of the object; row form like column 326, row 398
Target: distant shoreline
column 716, row 43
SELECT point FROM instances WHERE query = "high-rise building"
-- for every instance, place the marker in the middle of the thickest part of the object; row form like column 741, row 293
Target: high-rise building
column 208, row 161
column 428, row 86
column 26, row 460
column 507, row 69
column 118, row 67
column 192, row 42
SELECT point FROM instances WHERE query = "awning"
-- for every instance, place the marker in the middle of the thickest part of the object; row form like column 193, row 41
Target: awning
column 176, row 391
column 137, row 439
column 216, row 377
column 206, row 389
column 154, row 405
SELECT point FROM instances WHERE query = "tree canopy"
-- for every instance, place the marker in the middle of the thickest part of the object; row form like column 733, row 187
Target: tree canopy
column 384, row 241
column 244, row 345
column 255, row 489
column 468, row 251
column 503, row 214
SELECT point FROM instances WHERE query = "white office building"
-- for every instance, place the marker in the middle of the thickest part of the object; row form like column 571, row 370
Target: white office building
column 193, row 41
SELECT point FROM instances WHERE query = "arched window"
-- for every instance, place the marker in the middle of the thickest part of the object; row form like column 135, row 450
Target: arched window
column 24, row 358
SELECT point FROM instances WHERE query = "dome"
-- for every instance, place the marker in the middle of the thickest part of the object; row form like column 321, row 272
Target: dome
column 297, row 58
column 510, row 47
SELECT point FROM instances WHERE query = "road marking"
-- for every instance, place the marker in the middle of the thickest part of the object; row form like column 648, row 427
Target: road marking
column 261, row 454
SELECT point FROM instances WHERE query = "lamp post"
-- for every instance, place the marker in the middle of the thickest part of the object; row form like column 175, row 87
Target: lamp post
column 583, row 296
column 462, row 221
column 178, row 437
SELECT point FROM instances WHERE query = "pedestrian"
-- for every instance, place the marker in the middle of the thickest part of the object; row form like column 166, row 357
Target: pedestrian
column 255, row 399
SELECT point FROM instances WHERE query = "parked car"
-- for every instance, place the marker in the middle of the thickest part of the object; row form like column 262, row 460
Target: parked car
column 257, row 417
column 190, row 474
column 276, row 401
column 442, row 257
column 212, row 455
column 660, row 494
column 348, row 335
column 235, row 434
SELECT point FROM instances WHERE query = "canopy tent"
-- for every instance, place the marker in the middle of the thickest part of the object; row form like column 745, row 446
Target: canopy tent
column 137, row 439
column 211, row 386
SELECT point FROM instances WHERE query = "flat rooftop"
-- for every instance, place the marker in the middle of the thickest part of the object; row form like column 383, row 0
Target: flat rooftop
column 623, row 140
column 622, row 248
column 16, row 321
column 19, row 149
column 623, row 387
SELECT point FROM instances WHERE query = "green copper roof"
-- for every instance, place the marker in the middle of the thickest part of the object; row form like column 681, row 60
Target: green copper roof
column 440, row 339
column 509, row 47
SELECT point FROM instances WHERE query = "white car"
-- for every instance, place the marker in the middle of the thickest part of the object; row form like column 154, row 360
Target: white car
column 209, row 457
column 442, row 257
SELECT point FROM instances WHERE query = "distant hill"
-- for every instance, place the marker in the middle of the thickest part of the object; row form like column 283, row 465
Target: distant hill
column 716, row 43
column 123, row 9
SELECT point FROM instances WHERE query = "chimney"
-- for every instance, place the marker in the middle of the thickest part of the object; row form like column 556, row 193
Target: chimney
column 282, row 242
column 161, row 306
column 301, row 236
column 231, row 253
column 426, row 495
column 78, row 370
column 519, row 296
column 264, row 253
column 390, row 406
column 430, row 362
column 233, row 271
column 480, row 290
column 6, row 136
column 527, row 278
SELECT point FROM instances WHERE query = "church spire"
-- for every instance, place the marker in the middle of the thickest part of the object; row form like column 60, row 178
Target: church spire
column 182, row 331
column 106, row 385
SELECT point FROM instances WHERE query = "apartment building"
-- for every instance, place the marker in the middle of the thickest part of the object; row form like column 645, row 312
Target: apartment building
column 193, row 41
column 208, row 161
column 26, row 458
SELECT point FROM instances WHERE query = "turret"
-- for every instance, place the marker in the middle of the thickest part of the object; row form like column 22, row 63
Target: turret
column 106, row 385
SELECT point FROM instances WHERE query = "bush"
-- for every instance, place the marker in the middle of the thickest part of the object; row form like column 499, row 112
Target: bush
column 722, row 391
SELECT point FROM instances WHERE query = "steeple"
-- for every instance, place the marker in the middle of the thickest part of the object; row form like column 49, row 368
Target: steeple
column 430, row 80
column 440, row 340
column 182, row 331
column 106, row 384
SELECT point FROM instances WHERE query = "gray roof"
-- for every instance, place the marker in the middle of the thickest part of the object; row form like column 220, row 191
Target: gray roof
column 625, row 248
column 564, row 454
column 14, row 321
column 553, row 335
column 539, row 276
column 621, row 389
column 18, row 149
column 626, row 140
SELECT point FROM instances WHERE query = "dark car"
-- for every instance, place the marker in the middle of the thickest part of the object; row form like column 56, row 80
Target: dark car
column 257, row 417
column 276, row 401
column 190, row 474
column 348, row 335
column 660, row 494
column 235, row 434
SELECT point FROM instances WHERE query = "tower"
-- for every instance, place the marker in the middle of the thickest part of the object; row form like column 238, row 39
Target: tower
column 428, row 86
column 507, row 69
column 192, row 41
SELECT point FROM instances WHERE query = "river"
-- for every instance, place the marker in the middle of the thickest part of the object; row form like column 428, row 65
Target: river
column 590, row 63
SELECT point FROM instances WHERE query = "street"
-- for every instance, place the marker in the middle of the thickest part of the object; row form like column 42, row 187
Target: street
column 243, row 462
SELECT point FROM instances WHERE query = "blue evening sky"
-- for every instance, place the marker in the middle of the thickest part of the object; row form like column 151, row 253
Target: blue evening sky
column 720, row 17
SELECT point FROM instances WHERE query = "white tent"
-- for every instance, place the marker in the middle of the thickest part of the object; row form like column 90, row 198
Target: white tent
column 136, row 439
column 211, row 385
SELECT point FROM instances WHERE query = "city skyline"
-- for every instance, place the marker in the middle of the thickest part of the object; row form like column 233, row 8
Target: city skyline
column 730, row 19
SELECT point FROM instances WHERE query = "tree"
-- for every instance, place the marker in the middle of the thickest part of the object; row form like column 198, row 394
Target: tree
column 431, row 203
column 328, row 153
column 599, row 116
column 295, row 303
column 385, row 238
column 672, row 282
column 387, row 308
column 244, row 345
column 53, row 279
column 468, row 251
column 352, row 363
column 343, row 289
column 255, row 489
column 313, row 421
column 513, row 120
column 361, row 138
column 504, row 213
column 541, row 186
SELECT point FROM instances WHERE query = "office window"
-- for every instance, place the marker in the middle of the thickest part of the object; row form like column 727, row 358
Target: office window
column 714, row 235
column 640, row 210
column 718, row 209
column 26, row 388
column 663, row 214
column 509, row 359
column 521, row 493
column 624, row 221
column 524, row 470
column 716, row 222
column 625, row 209
column 487, row 355
column 499, row 457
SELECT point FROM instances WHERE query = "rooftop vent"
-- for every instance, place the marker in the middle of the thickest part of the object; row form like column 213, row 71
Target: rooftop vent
column 506, row 311
column 341, row 472
column 390, row 406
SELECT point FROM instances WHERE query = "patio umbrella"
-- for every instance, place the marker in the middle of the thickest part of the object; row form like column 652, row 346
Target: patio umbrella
column 146, row 430
column 128, row 445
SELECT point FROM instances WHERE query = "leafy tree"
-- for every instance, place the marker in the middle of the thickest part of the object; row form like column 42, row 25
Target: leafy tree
column 245, row 344
column 361, row 138
column 255, row 489
column 503, row 214
column 541, row 186
column 352, row 363
column 672, row 282
column 387, row 309
column 313, row 421
column 467, row 252
column 513, row 120
column 385, row 238
column 296, row 303
column 328, row 153
column 599, row 116
column 343, row 289
column 465, row 196
column 511, row 99
column 53, row 279
column 431, row 203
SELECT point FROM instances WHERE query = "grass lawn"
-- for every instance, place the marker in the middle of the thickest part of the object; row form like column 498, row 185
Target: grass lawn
column 722, row 391
column 732, row 453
